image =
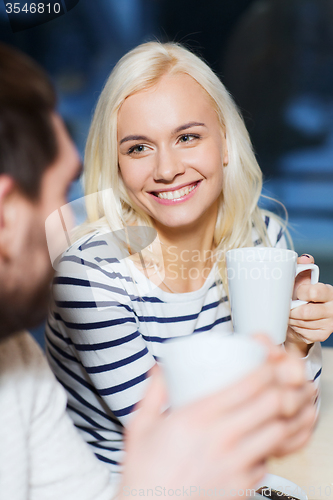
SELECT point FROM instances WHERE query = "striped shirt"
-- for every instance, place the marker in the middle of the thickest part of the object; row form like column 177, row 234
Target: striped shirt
column 106, row 329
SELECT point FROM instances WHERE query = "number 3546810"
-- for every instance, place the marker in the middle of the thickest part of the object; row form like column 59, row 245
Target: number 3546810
column 33, row 8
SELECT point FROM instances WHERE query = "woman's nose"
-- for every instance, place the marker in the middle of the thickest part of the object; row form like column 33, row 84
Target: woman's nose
column 168, row 166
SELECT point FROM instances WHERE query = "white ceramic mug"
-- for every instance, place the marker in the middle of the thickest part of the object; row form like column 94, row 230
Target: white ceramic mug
column 198, row 365
column 261, row 282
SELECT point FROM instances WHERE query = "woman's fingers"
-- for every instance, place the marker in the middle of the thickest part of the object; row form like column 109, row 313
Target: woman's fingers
column 308, row 336
column 309, row 312
column 312, row 330
column 305, row 259
column 305, row 276
column 320, row 324
column 319, row 292
column 314, row 321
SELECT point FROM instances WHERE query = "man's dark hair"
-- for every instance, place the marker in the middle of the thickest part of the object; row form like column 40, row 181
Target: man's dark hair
column 28, row 144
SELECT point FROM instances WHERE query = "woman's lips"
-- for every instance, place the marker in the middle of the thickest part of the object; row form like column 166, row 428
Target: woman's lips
column 174, row 196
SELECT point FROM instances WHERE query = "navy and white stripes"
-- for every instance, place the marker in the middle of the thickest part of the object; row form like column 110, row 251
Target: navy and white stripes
column 103, row 337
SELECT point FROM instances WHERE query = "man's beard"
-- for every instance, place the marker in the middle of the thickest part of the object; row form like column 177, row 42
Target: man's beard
column 25, row 310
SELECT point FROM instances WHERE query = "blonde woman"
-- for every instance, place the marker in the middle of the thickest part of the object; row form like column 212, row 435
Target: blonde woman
column 167, row 150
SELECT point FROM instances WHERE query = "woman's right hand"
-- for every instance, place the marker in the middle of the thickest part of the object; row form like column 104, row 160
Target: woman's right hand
column 224, row 440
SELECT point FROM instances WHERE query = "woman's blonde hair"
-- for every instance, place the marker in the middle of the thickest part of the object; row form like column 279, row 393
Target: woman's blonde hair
column 139, row 69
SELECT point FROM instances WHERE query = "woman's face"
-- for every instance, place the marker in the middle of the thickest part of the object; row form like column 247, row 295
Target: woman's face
column 171, row 152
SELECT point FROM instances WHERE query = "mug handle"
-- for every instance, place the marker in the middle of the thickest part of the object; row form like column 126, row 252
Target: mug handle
column 314, row 279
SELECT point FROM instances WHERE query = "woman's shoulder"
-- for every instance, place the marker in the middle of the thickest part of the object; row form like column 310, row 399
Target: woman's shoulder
column 93, row 252
column 87, row 244
column 99, row 245
column 274, row 229
column 96, row 265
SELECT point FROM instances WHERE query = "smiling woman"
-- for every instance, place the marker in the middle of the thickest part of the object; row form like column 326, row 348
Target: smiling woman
column 173, row 162
column 167, row 149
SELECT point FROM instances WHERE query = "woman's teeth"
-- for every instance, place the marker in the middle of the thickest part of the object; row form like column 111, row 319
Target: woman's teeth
column 174, row 195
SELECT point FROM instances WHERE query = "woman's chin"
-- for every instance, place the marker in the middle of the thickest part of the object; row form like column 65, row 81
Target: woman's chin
column 177, row 224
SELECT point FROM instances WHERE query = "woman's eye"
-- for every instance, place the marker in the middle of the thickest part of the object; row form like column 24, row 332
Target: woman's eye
column 188, row 137
column 139, row 148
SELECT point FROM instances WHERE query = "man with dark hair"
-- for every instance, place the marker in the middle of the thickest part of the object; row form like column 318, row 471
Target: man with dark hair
column 222, row 443
column 40, row 453
column 28, row 146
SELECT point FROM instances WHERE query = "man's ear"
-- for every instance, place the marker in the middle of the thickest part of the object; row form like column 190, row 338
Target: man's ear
column 7, row 225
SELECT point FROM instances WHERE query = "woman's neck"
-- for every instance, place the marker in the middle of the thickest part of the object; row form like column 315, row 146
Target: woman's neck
column 188, row 255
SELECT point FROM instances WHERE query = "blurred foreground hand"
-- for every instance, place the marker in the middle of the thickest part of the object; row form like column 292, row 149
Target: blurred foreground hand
column 222, row 441
column 311, row 322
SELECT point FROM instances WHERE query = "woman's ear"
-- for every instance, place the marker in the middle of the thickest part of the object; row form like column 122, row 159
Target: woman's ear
column 225, row 150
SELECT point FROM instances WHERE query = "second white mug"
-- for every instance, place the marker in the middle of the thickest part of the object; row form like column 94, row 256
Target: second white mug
column 198, row 365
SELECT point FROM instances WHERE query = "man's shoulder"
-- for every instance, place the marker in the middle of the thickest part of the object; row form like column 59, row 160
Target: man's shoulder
column 26, row 380
column 23, row 366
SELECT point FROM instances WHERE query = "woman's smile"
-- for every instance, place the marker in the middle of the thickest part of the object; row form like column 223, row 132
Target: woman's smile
column 177, row 194
column 171, row 151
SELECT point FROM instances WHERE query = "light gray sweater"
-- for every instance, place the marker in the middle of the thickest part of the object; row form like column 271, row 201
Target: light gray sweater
column 42, row 456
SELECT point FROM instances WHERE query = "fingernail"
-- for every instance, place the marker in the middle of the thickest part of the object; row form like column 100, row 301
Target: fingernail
column 306, row 255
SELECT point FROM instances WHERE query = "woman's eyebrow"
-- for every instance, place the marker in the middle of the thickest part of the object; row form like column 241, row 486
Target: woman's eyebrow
column 188, row 125
column 145, row 138
column 134, row 138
